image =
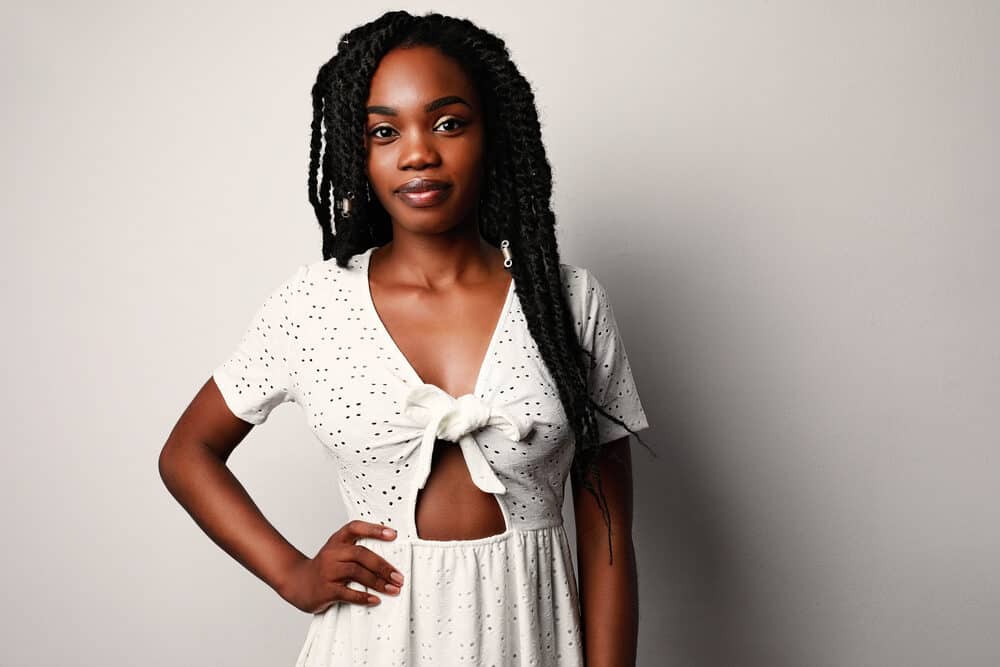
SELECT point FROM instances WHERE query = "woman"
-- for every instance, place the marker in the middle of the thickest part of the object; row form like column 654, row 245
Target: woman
column 456, row 369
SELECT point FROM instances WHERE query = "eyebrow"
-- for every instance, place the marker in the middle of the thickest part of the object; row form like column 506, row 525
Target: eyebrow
column 436, row 104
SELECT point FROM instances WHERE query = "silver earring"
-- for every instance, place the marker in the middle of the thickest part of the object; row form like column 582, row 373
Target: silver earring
column 345, row 207
column 505, row 249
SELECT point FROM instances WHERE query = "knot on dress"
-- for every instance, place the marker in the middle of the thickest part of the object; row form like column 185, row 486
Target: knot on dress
column 443, row 416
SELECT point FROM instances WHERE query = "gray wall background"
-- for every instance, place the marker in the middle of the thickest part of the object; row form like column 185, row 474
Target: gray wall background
column 792, row 204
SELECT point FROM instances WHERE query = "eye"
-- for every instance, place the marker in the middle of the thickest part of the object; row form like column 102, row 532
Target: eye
column 449, row 124
column 451, row 119
column 374, row 132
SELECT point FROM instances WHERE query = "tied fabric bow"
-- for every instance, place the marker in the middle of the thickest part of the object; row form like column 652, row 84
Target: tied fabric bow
column 441, row 415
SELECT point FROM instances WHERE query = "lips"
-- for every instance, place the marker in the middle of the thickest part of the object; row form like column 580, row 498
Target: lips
column 423, row 192
column 423, row 185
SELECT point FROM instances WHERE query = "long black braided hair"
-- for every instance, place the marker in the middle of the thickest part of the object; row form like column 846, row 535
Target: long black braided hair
column 516, row 192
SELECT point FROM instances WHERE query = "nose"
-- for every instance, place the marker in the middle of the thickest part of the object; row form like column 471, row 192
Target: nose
column 418, row 151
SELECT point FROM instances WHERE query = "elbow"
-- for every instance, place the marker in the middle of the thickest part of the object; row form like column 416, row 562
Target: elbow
column 165, row 464
column 170, row 462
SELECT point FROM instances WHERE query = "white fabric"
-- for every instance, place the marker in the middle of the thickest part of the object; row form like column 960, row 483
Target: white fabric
column 506, row 599
column 457, row 420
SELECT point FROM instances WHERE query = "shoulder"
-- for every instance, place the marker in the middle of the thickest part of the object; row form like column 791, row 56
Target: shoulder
column 318, row 276
column 316, row 284
column 585, row 297
column 574, row 277
column 328, row 269
column 583, row 289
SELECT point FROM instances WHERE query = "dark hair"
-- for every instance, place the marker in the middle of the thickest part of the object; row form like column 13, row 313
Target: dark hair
column 516, row 191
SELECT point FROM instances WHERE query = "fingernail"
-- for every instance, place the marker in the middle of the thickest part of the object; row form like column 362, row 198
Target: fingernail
column 388, row 532
column 392, row 589
column 397, row 577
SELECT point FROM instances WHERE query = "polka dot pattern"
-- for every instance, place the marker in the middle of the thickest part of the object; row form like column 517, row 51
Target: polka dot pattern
column 611, row 383
column 504, row 599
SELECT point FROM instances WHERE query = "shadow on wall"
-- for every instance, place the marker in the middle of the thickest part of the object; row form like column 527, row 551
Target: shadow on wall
column 696, row 608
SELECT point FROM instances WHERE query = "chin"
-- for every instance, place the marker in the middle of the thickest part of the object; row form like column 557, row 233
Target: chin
column 428, row 220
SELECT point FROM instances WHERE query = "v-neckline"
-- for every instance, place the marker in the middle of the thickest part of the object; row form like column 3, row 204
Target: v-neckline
column 391, row 344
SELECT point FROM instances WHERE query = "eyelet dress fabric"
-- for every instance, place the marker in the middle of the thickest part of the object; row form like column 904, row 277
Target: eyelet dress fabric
column 508, row 599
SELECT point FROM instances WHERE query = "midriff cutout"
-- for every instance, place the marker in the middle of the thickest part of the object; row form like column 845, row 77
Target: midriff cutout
column 451, row 506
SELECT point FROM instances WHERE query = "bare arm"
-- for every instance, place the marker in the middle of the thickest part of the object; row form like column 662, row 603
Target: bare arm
column 608, row 592
column 193, row 467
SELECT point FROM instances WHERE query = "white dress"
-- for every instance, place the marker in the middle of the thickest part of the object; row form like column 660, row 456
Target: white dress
column 501, row 600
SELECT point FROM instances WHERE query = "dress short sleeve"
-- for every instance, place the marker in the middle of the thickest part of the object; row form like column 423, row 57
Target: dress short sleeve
column 610, row 381
column 257, row 376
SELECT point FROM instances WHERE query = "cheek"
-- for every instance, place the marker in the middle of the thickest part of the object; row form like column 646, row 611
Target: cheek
column 380, row 170
column 469, row 158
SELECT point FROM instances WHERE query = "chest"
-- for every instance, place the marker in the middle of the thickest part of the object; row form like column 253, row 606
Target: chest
column 352, row 382
column 443, row 340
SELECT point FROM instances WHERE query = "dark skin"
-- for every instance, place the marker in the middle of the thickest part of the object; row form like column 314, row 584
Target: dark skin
column 439, row 288
column 609, row 593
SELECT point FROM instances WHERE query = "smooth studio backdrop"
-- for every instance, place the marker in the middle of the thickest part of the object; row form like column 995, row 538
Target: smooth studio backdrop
column 792, row 204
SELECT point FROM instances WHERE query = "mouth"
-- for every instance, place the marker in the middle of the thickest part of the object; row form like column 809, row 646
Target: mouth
column 423, row 185
column 423, row 192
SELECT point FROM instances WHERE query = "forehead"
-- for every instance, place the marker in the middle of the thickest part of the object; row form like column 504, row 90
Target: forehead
column 409, row 78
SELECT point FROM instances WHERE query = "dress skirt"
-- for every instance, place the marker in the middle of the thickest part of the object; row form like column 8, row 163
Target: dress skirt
column 504, row 600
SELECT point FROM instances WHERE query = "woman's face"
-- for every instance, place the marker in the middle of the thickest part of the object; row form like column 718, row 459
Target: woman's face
column 424, row 122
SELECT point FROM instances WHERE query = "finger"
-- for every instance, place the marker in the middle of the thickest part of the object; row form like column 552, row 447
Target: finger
column 376, row 564
column 346, row 570
column 345, row 593
column 358, row 528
